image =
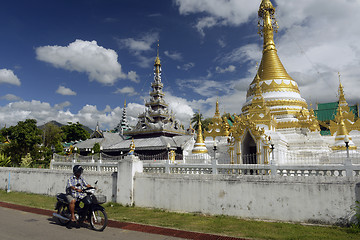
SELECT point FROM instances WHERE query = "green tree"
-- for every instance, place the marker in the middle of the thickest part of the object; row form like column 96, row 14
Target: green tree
column 195, row 120
column 52, row 135
column 24, row 138
column 74, row 132
column 96, row 148
column 26, row 161
column 204, row 122
column 5, row 161
column 59, row 148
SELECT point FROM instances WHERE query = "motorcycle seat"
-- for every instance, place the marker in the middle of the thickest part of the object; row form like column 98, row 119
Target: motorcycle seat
column 62, row 197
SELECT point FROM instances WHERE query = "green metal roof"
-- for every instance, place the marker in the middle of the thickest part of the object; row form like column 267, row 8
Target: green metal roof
column 327, row 111
column 325, row 132
column 325, row 106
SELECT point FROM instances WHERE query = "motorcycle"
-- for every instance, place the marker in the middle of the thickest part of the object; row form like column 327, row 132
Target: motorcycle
column 95, row 214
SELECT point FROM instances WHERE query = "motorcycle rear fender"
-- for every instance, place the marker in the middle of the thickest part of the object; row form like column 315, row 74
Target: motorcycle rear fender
column 61, row 197
column 58, row 205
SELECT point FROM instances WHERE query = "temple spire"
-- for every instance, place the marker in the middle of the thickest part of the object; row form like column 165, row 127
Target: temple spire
column 267, row 24
column 341, row 133
column 217, row 112
column 279, row 91
column 123, row 124
column 271, row 66
column 157, row 119
column 157, row 63
column 199, row 146
column 342, row 100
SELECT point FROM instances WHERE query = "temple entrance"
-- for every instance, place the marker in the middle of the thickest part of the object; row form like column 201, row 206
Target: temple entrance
column 249, row 155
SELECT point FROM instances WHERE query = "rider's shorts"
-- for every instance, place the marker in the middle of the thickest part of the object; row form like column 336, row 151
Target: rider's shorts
column 70, row 198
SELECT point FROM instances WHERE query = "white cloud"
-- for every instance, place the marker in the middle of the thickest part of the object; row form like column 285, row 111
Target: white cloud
column 99, row 63
column 174, row 56
column 65, row 91
column 219, row 12
column 186, row 66
column 62, row 105
column 133, row 77
column 43, row 112
column 206, row 22
column 317, row 39
column 141, row 44
column 230, row 68
column 222, row 43
column 11, row 97
column 8, row 76
column 205, row 87
column 180, row 107
column 130, row 91
column 138, row 46
column 247, row 53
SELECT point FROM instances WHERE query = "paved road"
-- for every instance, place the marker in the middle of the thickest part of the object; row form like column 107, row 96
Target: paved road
column 19, row 225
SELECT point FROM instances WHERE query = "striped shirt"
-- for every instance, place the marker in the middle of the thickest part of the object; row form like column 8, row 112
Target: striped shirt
column 74, row 182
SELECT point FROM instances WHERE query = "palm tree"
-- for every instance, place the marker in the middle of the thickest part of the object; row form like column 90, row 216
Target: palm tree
column 204, row 122
column 195, row 120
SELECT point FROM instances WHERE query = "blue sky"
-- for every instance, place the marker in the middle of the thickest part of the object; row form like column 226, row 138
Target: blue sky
column 79, row 60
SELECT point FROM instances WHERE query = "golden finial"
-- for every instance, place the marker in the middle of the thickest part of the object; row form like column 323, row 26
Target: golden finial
column 125, row 103
column 158, row 47
column 157, row 59
column 217, row 112
column 270, row 66
column 342, row 99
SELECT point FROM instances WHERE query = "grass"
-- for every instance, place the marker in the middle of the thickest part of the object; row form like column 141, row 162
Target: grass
column 222, row 225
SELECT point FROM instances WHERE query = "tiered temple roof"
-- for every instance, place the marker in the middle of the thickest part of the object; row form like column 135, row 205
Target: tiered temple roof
column 123, row 126
column 157, row 120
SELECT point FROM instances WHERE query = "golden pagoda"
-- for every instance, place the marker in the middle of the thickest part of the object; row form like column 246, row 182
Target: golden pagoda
column 341, row 133
column 219, row 127
column 343, row 112
column 258, row 112
column 280, row 92
column 199, row 146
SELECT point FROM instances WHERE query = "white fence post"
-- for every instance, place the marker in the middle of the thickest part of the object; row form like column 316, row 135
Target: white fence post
column 348, row 167
column 273, row 168
column 125, row 179
column 167, row 166
column 52, row 161
column 73, row 162
column 99, row 165
column 214, row 163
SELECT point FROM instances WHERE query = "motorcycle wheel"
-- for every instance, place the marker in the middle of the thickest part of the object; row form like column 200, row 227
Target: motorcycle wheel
column 63, row 211
column 98, row 220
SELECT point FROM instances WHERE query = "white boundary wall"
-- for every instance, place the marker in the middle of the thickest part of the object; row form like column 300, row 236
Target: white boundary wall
column 51, row 182
column 286, row 198
column 298, row 199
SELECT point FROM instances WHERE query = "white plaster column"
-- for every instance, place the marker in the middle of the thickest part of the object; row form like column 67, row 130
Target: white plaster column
column 125, row 179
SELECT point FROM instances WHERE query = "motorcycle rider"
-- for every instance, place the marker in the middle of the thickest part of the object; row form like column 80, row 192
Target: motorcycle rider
column 74, row 187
